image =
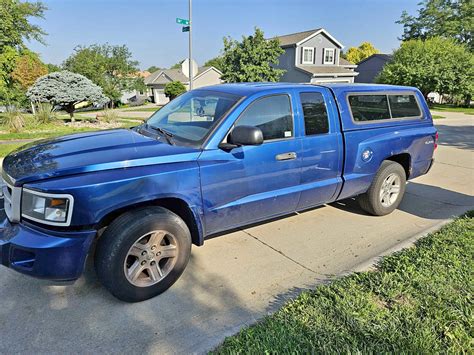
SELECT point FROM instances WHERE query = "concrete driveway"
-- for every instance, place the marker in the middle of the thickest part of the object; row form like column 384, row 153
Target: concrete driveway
column 237, row 278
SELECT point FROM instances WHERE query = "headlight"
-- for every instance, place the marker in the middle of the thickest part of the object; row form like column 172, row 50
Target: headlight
column 53, row 209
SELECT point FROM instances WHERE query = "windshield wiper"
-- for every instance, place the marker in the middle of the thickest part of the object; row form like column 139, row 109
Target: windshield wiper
column 163, row 132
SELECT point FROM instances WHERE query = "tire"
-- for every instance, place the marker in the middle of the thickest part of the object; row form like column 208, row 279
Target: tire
column 142, row 253
column 372, row 202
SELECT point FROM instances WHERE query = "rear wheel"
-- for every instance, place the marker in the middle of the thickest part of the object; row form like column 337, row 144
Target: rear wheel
column 386, row 191
column 142, row 253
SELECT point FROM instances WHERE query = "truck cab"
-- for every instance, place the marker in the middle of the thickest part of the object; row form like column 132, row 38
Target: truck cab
column 211, row 160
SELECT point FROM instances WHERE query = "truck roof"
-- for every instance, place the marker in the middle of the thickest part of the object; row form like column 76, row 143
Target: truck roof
column 246, row 89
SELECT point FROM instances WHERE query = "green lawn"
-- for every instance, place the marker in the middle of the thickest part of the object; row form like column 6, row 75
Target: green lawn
column 5, row 149
column 437, row 117
column 419, row 300
column 452, row 108
column 143, row 109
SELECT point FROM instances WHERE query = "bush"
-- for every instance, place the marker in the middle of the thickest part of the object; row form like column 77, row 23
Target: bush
column 14, row 121
column 44, row 113
column 174, row 89
column 107, row 116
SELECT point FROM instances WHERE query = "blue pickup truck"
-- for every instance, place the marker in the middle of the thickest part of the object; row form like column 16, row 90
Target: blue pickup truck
column 213, row 159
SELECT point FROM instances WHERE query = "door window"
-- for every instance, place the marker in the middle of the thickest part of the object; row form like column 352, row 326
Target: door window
column 272, row 114
column 315, row 114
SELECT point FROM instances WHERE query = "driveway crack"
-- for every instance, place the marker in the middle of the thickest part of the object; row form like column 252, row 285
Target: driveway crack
column 279, row 252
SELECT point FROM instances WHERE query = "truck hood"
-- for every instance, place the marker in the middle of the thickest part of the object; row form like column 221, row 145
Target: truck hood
column 88, row 152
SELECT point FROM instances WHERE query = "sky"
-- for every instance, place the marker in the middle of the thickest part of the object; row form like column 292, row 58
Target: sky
column 149, row 28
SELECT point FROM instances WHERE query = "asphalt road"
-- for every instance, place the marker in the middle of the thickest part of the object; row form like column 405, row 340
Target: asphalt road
column 237, row 278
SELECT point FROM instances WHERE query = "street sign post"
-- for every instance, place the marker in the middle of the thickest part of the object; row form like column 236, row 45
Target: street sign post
column 182, row 21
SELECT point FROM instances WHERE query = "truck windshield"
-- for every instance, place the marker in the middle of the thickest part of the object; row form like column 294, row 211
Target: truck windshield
column 191, row 116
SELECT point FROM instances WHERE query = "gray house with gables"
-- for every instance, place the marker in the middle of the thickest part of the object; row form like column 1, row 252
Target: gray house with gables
column 314, row 57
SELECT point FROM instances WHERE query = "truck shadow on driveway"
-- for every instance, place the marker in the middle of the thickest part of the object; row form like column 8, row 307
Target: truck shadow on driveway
column 425, row 201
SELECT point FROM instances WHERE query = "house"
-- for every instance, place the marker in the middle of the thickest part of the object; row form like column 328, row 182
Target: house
column 134, row 95
column 202, row 76
column 314, row 57
column 370, row 67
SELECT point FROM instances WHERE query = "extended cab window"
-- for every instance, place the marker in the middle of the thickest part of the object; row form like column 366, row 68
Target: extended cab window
column 272, row 115
column 315, row 114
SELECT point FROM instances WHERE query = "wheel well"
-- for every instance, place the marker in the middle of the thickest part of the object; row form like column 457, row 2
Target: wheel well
column 175, row 205
column 404, row 160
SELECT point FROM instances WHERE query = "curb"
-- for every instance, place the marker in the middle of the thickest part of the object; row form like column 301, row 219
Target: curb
column 405, row 244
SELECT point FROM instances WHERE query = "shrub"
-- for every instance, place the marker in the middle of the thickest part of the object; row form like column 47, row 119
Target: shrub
column 14, row 121
column 107, row 116
column 44, row 113
column 174, row 89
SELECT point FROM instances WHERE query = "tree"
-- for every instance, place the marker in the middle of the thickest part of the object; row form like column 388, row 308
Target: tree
column 177, row 65
column 153, row 69
column 251, row 60
column 434, row 65
column 52, row 67
column 28, row 68
column 357, row 54
column 110, row 67
column 215, row 62
column 15, row 25
column 445, row 18
column 174, row 89
column 66, row 89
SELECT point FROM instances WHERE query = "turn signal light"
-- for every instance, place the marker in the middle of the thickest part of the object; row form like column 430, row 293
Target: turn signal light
column 436, row 140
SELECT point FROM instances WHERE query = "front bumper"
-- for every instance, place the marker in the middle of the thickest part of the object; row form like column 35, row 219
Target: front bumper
column 48, row 255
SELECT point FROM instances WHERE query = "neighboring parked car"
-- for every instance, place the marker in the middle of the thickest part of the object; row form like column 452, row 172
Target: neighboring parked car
column 142, row 196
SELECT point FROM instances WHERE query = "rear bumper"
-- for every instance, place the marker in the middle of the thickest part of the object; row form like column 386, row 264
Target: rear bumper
column 58, row 257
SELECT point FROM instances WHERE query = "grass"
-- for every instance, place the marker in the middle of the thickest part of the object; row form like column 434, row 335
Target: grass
column 419, row 300
column 5, row 149
column 452, row 108
column 143, row 109
column 437, row 117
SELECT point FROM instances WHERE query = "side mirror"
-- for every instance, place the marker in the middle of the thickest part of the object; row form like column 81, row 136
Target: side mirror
column 245, row 135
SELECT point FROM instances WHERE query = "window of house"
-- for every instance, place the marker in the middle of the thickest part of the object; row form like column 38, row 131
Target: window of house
column 314, row 112
column 383, row 107
column 329, row 55
column 308, row 55
column 272, row 114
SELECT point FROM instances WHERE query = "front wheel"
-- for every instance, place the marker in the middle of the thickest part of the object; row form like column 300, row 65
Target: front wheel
column 143, row 253
column 386, row 191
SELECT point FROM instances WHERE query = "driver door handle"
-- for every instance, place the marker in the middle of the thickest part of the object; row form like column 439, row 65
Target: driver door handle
column 286, row 156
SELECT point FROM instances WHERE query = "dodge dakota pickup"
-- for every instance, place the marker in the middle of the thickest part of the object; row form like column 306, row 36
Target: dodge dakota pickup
column 213, row 159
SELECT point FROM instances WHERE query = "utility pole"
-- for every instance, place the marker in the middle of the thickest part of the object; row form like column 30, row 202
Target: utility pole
column 191, row 74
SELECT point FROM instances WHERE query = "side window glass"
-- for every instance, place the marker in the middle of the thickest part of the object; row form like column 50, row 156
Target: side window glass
column 272, row 115
column 369, row 107
column 404, row 106
column 315, row 114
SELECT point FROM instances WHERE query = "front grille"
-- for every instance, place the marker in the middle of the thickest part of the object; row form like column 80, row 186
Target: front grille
column 12, row 200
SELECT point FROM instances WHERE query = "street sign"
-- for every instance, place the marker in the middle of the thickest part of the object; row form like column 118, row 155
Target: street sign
column 185, row 29
column 182, row 21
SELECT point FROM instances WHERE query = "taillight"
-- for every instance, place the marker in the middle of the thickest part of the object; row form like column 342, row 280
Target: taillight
column 436, row 140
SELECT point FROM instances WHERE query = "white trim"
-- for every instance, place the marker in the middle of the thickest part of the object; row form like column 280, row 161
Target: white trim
column 333, row 50
column 322, row 30
column 52, row 223
column 312, row 55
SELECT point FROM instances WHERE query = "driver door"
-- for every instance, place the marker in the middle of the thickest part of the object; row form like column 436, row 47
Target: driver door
column 251, row 183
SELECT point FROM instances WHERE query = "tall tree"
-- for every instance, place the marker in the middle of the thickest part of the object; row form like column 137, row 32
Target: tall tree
column 15, row 25
column 357, row 54
column 445, row 18
column 153, row 69
column 433, row 65
column 216, row 62
column 110, row 67
column 66, row 89
column 252, row 59
column 28, row 68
